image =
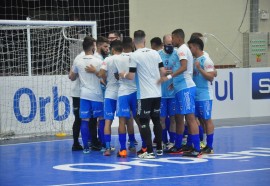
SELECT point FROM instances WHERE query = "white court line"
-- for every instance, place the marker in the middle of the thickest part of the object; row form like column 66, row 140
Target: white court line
column 169, row 177
column 223, row 127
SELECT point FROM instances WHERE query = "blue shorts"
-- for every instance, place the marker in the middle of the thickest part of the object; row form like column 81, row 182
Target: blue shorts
column 89, row 109
column 203, row 109
column 109, row 108
column 185, row 101
column 167, row 107
column 125, row 104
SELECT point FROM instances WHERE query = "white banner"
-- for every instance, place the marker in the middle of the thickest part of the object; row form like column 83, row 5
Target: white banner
column 41, row 104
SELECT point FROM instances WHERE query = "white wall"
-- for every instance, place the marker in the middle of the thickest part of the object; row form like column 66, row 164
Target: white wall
column 236, row 104
column 219, row 17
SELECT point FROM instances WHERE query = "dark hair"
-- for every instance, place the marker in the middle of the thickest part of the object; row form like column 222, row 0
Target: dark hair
column 127, row 43
column 156, row 40
column 115, row 32
column 139, row 35
column 198, row 42
column 179, row 32
column 101, row 40
column 196, row 35
column 88, row 42
column 117, row 45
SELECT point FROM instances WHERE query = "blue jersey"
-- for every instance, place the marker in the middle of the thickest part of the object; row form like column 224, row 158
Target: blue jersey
column 183, row 80
column 204, row 89
column 168, row 61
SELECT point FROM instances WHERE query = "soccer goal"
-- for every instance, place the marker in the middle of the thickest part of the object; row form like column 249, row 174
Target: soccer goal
column 35, row 59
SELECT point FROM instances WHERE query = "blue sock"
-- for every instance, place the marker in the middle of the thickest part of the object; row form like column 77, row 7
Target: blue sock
column 201, row 133
column 164, row 136
column 143, row 142
column 122, row 140
column 178, row 140
column 101, row 130
column 196, row 141
column 85, row 133
column 107, row 138
column 209, row 140
column 131, row 140
column 186, row 130
column 189, row 140
column 172, row 137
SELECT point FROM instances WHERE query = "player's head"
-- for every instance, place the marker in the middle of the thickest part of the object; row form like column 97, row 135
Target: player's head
column 128, row 45
column 196, row 35
column 156, row 43
column 196, row 46
column 89, row 44
column 103, row 46
column 114, row 35
column 116, row 46
column 167, row 42
column 178, row 37
column 139, row 37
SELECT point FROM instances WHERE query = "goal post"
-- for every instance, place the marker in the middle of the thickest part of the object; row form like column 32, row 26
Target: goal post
column 34, row 63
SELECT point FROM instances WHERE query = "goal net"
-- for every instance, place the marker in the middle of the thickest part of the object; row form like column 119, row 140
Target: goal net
column 35, row 90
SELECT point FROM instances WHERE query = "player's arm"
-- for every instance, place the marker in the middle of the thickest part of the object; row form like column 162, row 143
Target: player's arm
column 73, row 74
column 209, row 75
column 101, row 73
column 182, row 69
column 128, row 75
column 162, row 70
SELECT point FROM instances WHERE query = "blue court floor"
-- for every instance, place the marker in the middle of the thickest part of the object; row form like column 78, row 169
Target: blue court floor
column 242, row 157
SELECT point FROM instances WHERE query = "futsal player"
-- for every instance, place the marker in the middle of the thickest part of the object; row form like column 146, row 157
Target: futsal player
column 148, row 67
column 91, row 98
column 103, row 50
column 184, row 94
column 107, row 71
column 114, row 35
column 127, row 100
column 75, row 94
column 156, row 43
column 203, row 75
column 169, row 57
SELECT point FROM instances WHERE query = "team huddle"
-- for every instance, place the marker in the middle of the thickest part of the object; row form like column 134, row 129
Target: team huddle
column 171, row 86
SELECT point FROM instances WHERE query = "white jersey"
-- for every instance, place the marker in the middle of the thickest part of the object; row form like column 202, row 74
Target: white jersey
column 112, row 83
column 90, row 83
column 99, row 56
column 75, row 85
column 183, row 80
column 147, row 62
column 126, row 86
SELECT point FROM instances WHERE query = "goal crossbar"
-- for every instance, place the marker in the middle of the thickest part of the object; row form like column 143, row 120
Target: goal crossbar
column 93, row 24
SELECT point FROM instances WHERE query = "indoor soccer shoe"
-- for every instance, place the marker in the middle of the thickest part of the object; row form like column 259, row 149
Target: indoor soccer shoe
column 86, row 151
column 159, row 152
column 143, row 150
column 207, row 150
column 194, row 153
column 77, row 147
column 107, row 152
column 174, row 150
column 169, row 145
column 132, row 149
column 122, row 153
column 202, row 144
column 96, row 147
column 147, row 155
column 186, row 148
